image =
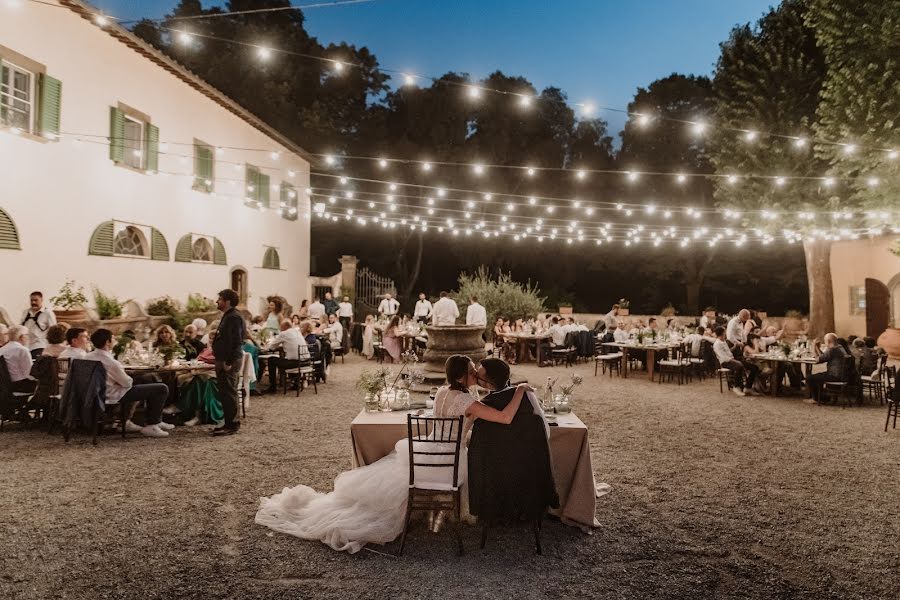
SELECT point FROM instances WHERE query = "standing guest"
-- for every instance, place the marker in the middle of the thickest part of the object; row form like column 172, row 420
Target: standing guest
column 56, row 339
column 273, row 317
column 444, row 312
column 4, row 335
column 317, row 310
column 726, row 359
column 303, row 311
column 610, row 318
column 368, row 347
column 191, row 344
column 736, row 331
column 121, row 388
column 476, row 313
column 708, row 320
column 227, row 349
column 345, row 313
column 423, row 309
column 37, row 320
column 389, row 340
column 834, row 354
column 331, row 307
column 78, row 341
column 291, row 341
column 389, row 306
column 18, row 359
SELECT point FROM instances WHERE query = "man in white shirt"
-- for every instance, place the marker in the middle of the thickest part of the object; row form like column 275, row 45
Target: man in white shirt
column 708, row 320
column 18, row 359
column 389, row 306
column 620, row 334
column 295, row 349
column 120, row 388
column 335, row 332
column 610, row 318
column 445, row 312
column 695, row 340
column 423, row 309
column 345, row 313
column 770, row 336
column 317, row 310
column 78, row 342
column 557, row 331
column 37, row 320
column 476, row 314
column 736, row 332
column 727, row 360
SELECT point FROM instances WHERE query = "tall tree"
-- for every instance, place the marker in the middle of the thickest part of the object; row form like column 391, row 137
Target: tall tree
column 768, row 79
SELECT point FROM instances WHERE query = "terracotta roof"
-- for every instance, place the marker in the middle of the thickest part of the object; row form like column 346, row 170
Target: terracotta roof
column 143, row 48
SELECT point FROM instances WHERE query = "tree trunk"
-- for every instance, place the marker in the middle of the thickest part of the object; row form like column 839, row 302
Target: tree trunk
column 821, row 295
column 692, row 290
column 694, row 276
column 415, row 269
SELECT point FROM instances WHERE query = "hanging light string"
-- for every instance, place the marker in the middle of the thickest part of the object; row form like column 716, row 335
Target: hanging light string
column 254, row 11
column 473, row 91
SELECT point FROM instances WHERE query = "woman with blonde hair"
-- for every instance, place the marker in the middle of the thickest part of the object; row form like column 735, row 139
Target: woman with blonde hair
column 368, row 348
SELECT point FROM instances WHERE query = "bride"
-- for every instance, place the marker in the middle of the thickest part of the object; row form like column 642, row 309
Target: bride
column 368, row 504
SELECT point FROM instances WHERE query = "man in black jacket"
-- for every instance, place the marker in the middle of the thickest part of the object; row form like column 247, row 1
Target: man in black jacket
column 229, row 356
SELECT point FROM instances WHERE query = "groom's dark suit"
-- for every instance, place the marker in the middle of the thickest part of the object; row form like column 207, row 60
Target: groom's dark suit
column 510, row 473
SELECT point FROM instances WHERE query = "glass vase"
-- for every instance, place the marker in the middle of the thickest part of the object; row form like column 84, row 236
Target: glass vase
column 563, row 403
column 400, row 399
column 372, row 402
column 384, row 401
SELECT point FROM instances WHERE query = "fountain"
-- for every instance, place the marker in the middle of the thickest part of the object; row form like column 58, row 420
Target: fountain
column 445, row 341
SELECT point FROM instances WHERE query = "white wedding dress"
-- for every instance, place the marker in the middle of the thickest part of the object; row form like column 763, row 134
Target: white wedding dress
column 368, row 504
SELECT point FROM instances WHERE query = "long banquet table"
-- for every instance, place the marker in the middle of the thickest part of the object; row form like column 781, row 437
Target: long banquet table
column 522, row 340
column 770, row 357
column 651, row 350
column 373, row 436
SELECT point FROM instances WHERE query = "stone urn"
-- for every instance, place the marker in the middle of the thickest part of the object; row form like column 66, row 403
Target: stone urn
column 890, row 341
column 445, row 341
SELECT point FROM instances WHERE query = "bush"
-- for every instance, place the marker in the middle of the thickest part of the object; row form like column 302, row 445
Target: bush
column 501, row 296
column 198, row 303
column 108, row 307
column 164, row 306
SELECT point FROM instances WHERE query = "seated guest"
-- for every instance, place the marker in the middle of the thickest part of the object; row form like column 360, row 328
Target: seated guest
column 249, row 346
column 557, row 332
column 866, row 356
column 295, row 350
column 207, row 356
column 620, row 334
column 191, row 344
column 78, row 341
column 120, row 388
column 18, row 359
column 165, row 342
column 206, row 337
column 335, row 331
column 726, row 359
column 257, row 324
column 652, row 326
column 389, row 340
column 834, row 354
column 56, row 340
column 306, row 330
column 695, row 341
column 295, row 321
column 769, row 336
column 708, row 320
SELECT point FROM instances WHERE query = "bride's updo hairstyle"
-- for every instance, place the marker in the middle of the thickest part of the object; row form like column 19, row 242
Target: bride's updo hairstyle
column 497, row 372
column 457, row 367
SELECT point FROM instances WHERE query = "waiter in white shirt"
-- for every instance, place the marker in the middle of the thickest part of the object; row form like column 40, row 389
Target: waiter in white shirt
column 317, row 310
column 345, row 312
column 476, row 313
column 389, row 307
column 736, row 332
column 37, row 320
column 445, row 312
column 423, row 309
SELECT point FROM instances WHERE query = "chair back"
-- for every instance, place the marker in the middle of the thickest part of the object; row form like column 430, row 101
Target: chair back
column 6, row 394
column 62, row 371
column 434, row 444
column 848, row 367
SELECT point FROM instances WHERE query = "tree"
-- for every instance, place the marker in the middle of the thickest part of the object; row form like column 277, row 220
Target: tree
column 768, row 78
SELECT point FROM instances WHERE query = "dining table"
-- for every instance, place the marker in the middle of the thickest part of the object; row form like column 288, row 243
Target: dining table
column 522, row 352
column 373, row 436
column 776, row 358
column 651, row 349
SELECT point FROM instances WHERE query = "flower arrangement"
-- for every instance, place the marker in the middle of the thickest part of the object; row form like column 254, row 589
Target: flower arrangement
column 623, row 303
column 374, row 382
column 69, row 296
column 574, row 382
column 410, row 373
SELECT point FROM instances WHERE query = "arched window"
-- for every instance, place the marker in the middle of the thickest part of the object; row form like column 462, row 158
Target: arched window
column 9, row 235
column 271, row 260
column 201, row 250
column 130, row 241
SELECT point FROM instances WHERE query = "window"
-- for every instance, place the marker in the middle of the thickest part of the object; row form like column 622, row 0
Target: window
column 288, row 204
column 133, row 140
column 198, row 248
column 271, row 260
column 17, row 96
column 9, row 235
column 134, row 143
column 128, row 240
column 857, row 300
column 204, row 167
column 256, row 187
column 201, row 250
column 131, row 241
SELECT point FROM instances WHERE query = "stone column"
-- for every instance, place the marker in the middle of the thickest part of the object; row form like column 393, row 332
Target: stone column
column 348, row 274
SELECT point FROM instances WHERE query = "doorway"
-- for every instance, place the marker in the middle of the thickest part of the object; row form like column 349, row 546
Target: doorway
column 239, row 285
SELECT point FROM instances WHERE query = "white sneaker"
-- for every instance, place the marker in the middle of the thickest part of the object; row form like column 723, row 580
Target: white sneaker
column 165, row 426
column 131, row 427
column 193, row 422
column 153, row 431
column 738, row 391
column 170, row 410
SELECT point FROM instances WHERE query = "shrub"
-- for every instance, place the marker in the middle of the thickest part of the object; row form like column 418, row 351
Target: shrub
column 198, row 303
column 164, row 306
column 501, row 296
column 108, row 307
column 69, row 296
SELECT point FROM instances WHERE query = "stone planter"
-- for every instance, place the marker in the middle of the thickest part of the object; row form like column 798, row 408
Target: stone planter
column 565, row 310
column 444, row 342
column 623, row 312
column 157, row 322
column 890, row 341
column 72, row 316
column 122, row 324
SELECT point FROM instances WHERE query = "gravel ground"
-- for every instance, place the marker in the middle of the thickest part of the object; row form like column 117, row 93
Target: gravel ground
column 713, row 496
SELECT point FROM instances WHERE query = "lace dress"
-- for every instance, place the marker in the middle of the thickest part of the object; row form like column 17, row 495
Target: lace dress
column 368, row 504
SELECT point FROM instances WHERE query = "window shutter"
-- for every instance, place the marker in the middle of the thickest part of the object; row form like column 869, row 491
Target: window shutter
column 102, row 240
column 251, row 178
column 183, row 249
column 151, row 148
column 159, row 248
column 218, row 252
column 116, row 134
column 287, row 203
column 271, row 259
column 9, row 235
column 263, row 189
column 51, row 102
column 203, row 167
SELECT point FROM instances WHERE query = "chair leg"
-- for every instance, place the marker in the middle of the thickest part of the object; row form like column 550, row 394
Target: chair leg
column 409, row 502
column 243, row 409
column 458, row 514
column 484, row 533
column 888, row 420
column 537, row 536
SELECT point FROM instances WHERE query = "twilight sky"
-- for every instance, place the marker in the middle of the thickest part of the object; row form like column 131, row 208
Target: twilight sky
column 595, row 50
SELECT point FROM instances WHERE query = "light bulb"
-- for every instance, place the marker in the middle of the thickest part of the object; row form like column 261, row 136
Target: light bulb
column 382, row 163
column 338, row 66
column 530, row 171
column 643, row 121
column 681, row 178
column 698, row 128
column 849, row 148
column 426, row 167
column 329, row 159
column 185, row 38
column 799, row 142
column 409, row 79
column 474, row 92
column 581, row 174
column 264, row 53
column 750, row 136
column 478, row 169
column 524, row 101
column 101, row 20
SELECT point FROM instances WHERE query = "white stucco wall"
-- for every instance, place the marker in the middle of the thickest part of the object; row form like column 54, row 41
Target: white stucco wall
column 851, row 263
column 58, row 192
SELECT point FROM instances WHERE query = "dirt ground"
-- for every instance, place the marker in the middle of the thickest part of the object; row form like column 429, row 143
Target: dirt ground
column 713, row 496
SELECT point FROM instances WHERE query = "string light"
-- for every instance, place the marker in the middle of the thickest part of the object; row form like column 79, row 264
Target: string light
column 264, row 53
column 474, row 92
column 409, row 79
column 750, row 136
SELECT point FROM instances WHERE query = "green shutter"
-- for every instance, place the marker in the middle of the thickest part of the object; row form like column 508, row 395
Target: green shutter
column 271, row 259
column 263, row 196
column 287, row 203
column 218, row 252
column 251, row 178
column 102, row 240
column 9, row 235
column 51, row 102
column 183, row 249
column 151, row 148
column 203, row 168
column 116, row 134
column 159, row 248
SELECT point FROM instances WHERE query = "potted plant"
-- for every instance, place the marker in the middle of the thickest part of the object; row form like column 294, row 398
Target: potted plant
column 623, row 307
column 70, row 302
column 565, row 308
column 163, row 310
column 108, row 307
column 200, row 306
column 373, row 384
